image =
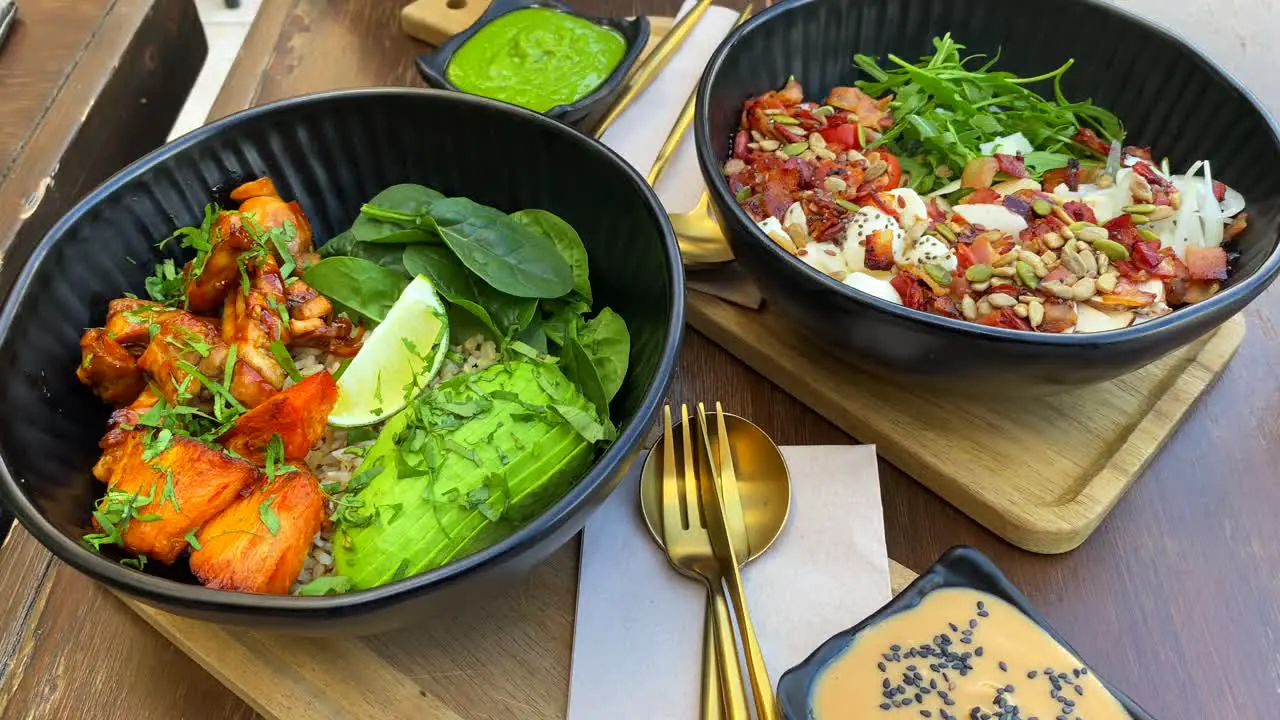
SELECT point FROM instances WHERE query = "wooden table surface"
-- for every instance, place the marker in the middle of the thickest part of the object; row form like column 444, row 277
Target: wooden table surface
column 1174, row 598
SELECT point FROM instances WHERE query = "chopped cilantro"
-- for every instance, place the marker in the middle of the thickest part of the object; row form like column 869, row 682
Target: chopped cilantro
column 192, row 541
column 268, row 516
column 327, row 585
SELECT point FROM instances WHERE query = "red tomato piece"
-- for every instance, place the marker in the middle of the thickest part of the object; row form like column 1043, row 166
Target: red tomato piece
column 841, row 137
column 1004, row 318
column 984, row 196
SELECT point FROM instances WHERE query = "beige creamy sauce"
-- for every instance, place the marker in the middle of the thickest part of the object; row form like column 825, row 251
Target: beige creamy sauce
column 958, row 650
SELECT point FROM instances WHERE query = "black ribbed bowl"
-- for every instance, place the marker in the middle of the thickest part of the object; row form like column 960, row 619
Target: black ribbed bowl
column 330, row 152
column 1169, row 95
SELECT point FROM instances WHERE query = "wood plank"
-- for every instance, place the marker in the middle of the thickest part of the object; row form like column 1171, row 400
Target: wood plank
column 509, row 659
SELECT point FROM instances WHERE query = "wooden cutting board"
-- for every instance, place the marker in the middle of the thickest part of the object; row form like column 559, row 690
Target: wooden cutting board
column 509, row 659
column 1041, row 473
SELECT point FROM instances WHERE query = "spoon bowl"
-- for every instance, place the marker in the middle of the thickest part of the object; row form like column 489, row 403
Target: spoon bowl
column 764, row 485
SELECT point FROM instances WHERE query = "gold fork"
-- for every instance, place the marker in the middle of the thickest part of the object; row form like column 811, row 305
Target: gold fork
column 727, row 530
column 684, row 531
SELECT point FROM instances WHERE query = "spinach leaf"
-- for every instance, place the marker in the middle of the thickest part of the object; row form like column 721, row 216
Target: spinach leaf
column 608, row 344
column 504, row 253
column 388, row 256
column 357, row 285
column 578, row 367
column 560, row 315
column 534, row 336
column 566, row 240
column 339, row 244
column 408, row 199
column 501, row 313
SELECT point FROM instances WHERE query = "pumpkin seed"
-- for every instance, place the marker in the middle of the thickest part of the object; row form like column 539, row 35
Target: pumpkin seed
column 1042, row 207
column 742, row 194
column 978, row 273
column 1149, row 235
column 1091, row 234
column 769, row 145
column 784, row 120
column 1079, row 225
column 1141, row 209
column 945, row 231
column 795, row 148
column 835, row 184
column 1035, row 313
column 824, row 111
column 1084, row 289
column 1027, row 274
column 939, row 274
column 1107, row 282
column 847, row 205
column 1139, row 219
column 1112, row 249
column 1001, row 300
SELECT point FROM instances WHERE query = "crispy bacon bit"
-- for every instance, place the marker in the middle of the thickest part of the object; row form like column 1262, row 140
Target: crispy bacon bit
column 1199, row 291
column 1080, row 212
column 1073, row 175
column 944, row 306
column 740, row 142
column 879, row 255
column 868, row 111
column 1207, row 263
column 1090, row 139
column 1156, row 180
column 1058, row 317
column 1237, row 226
column 791, row 93
column 1004, row 318
column 1219, row 190
column 1011, row 165
column 913, row 292
column 1142, row 153
column 1122, row 230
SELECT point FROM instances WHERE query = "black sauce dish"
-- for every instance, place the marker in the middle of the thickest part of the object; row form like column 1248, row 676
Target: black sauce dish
column 1169, row 95
column 330, row 152
column 959, row 567
column 583, row 114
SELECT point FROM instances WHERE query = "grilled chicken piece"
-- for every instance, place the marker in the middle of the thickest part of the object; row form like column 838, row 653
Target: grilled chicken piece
column 205, row 482
column 108, row 368
column 260, row 542
column 262, row 187
column 309, row 316
column 298, row 415
column 272, row 212
column 183, row 338
column 129, row 320
column 252, row 322
column 207, row 289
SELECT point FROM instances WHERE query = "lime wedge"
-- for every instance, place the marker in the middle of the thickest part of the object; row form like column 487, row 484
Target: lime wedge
column 398, row 359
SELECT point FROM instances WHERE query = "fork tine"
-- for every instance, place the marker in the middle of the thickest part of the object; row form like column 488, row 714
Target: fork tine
column 692, row 496
column 671, row 522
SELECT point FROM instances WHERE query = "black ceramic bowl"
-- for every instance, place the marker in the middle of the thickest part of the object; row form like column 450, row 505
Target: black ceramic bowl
column 1168, row 94
column 959, row 567
column 582, row 114
column 330, row 152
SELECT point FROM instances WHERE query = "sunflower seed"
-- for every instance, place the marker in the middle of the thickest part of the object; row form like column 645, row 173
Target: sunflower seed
column 1092, row 233
column 1053, row 240
column 1020, row 310
column 835, row 184
column 1162, row 212
column 1084, row 289
column 969, row 308
column 769, row 145
column 1001, row 300
column 1107, row 282
column 1035, row 313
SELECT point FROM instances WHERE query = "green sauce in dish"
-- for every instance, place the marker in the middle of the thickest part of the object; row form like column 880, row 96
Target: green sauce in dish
column 537, row 58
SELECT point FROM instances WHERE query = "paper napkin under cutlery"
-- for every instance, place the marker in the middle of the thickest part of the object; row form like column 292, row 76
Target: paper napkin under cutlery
column 637, row 647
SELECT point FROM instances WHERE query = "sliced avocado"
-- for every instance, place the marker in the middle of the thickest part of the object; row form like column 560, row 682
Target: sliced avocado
column 462, row 468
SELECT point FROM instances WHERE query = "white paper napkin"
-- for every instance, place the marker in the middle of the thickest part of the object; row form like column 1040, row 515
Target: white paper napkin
column 639, row 132
column 637, row 647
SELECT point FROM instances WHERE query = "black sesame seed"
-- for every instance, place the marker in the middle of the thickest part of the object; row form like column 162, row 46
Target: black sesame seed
column 1004, row 667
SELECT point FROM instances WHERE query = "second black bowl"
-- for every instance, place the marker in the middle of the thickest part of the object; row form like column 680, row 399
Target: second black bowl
column 1168, row 94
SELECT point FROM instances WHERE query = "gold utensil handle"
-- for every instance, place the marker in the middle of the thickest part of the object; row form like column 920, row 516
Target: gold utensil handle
column 730, row 700
column 649, row 68
column 761, row 685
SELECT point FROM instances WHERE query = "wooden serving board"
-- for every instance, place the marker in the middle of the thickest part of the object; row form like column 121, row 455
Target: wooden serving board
column 1042, row 473
column 508, row 659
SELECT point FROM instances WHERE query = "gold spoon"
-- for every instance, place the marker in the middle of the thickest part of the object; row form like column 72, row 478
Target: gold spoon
column 702, row 242
column 764, row 486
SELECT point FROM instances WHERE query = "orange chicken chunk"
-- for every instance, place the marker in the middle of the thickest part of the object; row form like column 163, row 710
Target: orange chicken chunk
column 260, row 542
column 298, row 415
